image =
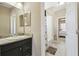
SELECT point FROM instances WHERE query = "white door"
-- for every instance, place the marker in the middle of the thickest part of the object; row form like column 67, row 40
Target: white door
column 71, row 28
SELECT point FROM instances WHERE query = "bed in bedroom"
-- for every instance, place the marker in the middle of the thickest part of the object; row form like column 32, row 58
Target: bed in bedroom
column 62, row 34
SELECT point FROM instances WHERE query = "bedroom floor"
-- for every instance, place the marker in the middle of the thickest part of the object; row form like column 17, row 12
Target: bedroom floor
column 60, row 45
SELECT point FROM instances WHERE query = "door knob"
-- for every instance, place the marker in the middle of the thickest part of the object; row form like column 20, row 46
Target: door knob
column 77, row 32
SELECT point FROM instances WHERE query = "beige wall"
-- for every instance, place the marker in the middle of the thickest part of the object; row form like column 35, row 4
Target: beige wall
column 4, row 21
column 35, row 26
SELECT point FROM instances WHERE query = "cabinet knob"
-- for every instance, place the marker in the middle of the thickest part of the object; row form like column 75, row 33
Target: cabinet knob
column 20, row 48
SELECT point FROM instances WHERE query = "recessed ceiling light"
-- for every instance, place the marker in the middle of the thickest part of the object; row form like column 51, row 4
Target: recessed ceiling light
column 60, row 3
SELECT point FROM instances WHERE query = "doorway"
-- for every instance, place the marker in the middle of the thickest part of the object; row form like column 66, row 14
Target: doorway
column 55, row 17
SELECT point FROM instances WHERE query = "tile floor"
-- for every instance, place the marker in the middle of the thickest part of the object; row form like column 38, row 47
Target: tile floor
column 60, row 45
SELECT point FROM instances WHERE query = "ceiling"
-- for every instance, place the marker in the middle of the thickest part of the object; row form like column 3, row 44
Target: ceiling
column 11, row 4
column 5, row 4
column 53, row 4
column 50, row 4
column 51, row 7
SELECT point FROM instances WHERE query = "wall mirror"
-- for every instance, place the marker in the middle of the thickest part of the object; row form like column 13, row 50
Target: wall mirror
column 25, row 19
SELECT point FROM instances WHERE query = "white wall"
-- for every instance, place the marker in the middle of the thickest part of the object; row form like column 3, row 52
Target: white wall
column 71, row 27
column 49, row 28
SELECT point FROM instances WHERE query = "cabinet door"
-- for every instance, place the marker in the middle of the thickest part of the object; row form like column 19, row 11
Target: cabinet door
column 12, row 52
column 27, row 48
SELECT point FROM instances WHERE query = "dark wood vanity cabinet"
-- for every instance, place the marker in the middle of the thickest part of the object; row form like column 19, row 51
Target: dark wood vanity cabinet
column 19, row 48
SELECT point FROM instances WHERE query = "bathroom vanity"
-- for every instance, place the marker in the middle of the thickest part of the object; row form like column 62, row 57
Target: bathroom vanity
column 16, row 46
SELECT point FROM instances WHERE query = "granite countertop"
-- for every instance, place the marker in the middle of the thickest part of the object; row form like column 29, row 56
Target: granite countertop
column 7, row 40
